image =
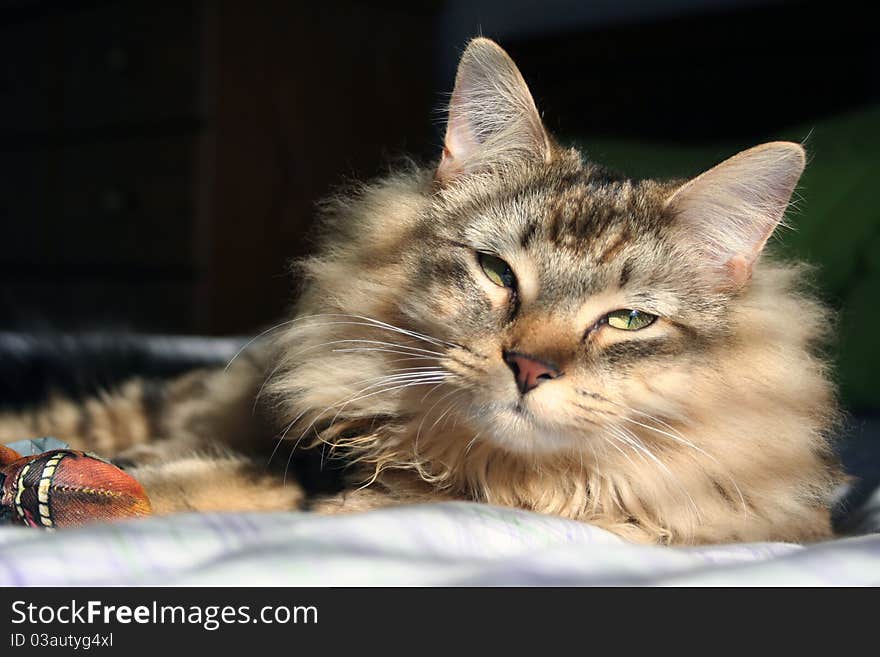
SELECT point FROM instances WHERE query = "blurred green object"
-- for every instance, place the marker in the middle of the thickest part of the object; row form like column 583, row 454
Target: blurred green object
column 835, row 224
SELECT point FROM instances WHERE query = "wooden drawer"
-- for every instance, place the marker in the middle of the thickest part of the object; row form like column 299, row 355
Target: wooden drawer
column 132, row 63
column 129, row 203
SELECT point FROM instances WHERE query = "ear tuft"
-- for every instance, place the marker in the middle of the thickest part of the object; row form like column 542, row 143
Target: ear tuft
column 492, row 116
column 729, row 212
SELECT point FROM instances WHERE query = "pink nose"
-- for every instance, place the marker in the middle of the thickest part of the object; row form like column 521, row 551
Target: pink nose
column 529, row 371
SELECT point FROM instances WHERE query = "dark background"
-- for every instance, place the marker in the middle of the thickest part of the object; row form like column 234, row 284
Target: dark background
column 160, row 161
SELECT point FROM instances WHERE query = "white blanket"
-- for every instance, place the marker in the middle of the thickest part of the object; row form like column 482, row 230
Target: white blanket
column 440, row 544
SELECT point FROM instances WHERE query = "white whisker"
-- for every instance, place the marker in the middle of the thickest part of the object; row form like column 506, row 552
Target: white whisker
column 367, row 321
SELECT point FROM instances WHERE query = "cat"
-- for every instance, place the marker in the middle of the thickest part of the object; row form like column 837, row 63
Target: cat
column 515, row 325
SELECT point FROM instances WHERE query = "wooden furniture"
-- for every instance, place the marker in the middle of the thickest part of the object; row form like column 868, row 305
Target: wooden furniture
column 160, row 161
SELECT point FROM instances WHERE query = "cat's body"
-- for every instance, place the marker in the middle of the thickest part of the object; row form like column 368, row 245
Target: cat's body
column 522, row 327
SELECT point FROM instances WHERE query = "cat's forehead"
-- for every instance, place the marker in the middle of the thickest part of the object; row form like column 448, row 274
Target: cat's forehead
column 572, row 209
column 580, row 230
column 582, row 216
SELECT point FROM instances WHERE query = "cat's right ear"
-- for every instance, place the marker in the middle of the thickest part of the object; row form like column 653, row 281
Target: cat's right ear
column 492, row 116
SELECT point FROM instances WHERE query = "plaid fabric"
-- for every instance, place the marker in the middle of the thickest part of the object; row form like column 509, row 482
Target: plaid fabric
column 442, row 544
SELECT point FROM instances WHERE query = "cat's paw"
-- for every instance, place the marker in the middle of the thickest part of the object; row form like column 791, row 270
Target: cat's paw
column 200, row 482
column 139, row 456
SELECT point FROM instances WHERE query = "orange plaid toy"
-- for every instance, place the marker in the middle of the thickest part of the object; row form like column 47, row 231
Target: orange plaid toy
column 65, row 488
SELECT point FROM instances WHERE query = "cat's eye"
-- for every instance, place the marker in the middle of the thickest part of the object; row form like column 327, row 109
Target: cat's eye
column 497, row 271
column 630, row 320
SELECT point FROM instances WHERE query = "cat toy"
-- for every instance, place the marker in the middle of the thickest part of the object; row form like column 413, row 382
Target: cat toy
column 64, row 488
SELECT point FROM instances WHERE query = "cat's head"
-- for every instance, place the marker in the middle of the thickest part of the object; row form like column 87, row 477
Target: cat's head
column 519, row 297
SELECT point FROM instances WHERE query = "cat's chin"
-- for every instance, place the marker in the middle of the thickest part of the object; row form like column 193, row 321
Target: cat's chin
column 516, row 429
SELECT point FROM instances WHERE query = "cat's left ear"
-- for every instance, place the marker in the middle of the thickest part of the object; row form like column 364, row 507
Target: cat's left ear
column 727, row 213
column 492, row 118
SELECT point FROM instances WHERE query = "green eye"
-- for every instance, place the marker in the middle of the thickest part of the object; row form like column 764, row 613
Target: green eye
column 630, row 320
column 497, row 271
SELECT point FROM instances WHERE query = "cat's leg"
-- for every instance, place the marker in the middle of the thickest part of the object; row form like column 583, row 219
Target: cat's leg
column 105, row 424
column 140, row 420
column 218, row 482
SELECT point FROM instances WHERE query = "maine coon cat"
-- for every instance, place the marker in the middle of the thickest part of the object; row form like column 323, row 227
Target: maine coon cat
column 516, row 325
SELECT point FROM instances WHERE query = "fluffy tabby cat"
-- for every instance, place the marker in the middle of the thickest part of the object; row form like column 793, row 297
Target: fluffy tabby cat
column 516, row 325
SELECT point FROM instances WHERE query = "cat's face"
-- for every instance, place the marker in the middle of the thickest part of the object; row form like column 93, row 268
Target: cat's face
column 567, row 300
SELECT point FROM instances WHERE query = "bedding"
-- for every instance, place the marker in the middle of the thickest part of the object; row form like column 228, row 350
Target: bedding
column 452, row 544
